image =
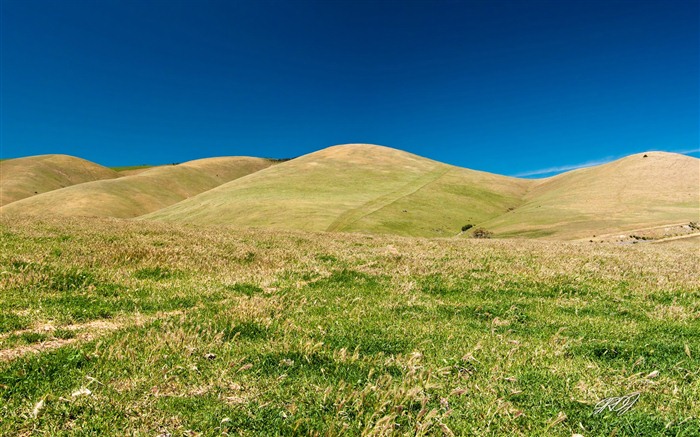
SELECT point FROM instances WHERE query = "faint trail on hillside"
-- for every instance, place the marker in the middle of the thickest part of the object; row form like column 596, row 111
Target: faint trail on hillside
column 352, row 215
column 677, row 237
column 87, row 331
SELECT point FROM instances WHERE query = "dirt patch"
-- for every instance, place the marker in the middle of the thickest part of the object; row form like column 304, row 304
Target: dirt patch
column 84, row 332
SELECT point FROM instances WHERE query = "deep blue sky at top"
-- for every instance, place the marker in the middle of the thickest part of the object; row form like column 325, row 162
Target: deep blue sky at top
column 501, row 86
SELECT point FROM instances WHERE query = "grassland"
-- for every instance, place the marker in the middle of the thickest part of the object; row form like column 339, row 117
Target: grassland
column 138, row 193
column 357, row 187
column 112, row 327
column 366, row 188
column 128, row 170
column 25, row 177
column 638, row 191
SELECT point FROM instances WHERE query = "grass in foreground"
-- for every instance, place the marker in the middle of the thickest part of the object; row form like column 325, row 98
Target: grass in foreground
column 155, row 329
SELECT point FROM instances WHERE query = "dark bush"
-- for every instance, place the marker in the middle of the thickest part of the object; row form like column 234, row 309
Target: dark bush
column 465, row 228
column 482, row 233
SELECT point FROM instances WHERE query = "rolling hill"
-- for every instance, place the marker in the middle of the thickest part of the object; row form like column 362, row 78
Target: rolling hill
column 376, row 189
column 140, row 193
column 25, row 177
column 638, row 191
column 356, row 187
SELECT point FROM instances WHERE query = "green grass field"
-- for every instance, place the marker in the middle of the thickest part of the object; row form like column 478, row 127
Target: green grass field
column 135, row 328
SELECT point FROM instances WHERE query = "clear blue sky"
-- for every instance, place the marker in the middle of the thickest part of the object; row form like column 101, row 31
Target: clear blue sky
column 509, row 87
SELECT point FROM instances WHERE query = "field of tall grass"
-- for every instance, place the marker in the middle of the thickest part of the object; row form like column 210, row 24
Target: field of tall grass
column 111, row 327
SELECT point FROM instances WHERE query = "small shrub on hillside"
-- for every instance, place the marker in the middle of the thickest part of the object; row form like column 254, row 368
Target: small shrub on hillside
column 482, row 233
column 640, row 237
column 467, row 227
column 279, row 159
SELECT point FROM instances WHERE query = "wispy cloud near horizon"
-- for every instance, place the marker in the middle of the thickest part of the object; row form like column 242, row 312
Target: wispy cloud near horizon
column 685, row 152
column 563, row 168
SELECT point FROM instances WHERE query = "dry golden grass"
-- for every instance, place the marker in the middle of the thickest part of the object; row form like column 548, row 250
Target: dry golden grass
column 141, row 193
column 355, row 187
column 79, row 332
column 374, row 189
column 366, row 188
column 25, row 177
column 636, row 192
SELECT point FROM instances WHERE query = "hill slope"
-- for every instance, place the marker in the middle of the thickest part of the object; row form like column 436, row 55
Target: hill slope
column 25, row 177
column 141, row 193
column 637, row 191
column 375, row 189
column 356, row 187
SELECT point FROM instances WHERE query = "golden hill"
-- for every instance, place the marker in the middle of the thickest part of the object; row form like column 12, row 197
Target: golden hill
column 140, row 193
column 25, row 177
column 638, row 191
column 376, row 189
column 355, row 187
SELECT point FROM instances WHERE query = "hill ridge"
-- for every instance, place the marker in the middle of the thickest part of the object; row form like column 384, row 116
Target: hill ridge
column 637, row 191
column 137, row 194
column 21, row 178
column 378, row 189
column 341, row 188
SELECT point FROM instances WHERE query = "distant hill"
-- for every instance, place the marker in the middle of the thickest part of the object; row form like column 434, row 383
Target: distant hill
column 376, row 189
column 355, row 187
column 137, row 194
column 637, row 191
column 25, row 177
column 133, row 169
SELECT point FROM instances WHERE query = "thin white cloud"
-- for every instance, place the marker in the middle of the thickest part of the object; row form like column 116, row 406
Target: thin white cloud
column 563, row 168
column 685, row 152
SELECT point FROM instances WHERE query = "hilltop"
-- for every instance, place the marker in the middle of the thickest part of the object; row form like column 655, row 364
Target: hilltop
column 638, row 191
column 145, row 191
column 375, row 189
column 25, row 177
column 354, row 188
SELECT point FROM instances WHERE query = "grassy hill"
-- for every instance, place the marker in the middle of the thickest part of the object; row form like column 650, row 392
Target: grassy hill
column 356, row 187
column 130, row 170
column 25, row 177
column 639, row 191
column 375, row 189
column 141, row 193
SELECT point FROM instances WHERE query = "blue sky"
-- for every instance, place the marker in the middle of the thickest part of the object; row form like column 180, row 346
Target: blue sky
column 510, row 87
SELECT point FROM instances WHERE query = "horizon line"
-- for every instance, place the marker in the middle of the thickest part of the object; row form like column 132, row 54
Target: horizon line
column 569, row 167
